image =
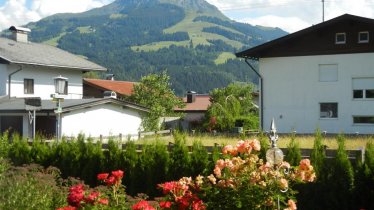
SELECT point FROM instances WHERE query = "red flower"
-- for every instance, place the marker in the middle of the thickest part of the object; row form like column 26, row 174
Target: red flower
column 110, row 181
column 92, row 197
column 67, row 208
column 168, row 186
column 102, row 176
column 142, row 205
column 198, row 205
column 76, row 195
column 104, row 201
column 165, row 204
column 117, row 174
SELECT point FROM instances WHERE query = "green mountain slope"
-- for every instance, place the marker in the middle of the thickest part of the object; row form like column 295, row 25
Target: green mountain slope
column 190, row 39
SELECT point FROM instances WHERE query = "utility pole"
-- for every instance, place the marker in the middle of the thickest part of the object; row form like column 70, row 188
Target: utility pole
column 323, row 10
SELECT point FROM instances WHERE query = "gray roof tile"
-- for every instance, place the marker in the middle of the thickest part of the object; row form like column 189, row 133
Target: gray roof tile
column 43, row 55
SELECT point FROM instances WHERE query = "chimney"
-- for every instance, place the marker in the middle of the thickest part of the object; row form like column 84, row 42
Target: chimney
column 19, row 34
column 110, row 77
column 191, row 96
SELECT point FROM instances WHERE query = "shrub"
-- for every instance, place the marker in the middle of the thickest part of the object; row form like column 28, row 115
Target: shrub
column 130, row 159
column 199, row 159
column 31, row 187
column 318, row 154
column 293, row 155
column 19, row 151
column 179, row 158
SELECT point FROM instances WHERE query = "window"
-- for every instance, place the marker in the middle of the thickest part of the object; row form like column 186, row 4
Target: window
column 363, row 37
column 363, row 88
column 363, row 119
column 328, row 72
column 340, row 38
column 28, row 86
column 66, row 88
column 328, row 110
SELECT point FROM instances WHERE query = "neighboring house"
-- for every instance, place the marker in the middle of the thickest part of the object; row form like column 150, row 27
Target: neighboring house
column 98, row 88
column 194, row 111
column 92, row 117
column 319, row 77
column 27, row 70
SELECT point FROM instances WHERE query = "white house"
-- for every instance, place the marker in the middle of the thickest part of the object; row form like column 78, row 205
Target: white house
column 27, row 72
column 319, row 77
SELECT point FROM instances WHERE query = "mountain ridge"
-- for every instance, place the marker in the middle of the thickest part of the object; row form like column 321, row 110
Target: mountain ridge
column 191, row 39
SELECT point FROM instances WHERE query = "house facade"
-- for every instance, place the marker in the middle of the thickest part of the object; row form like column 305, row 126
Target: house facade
column 320, row 77
column 27, row 72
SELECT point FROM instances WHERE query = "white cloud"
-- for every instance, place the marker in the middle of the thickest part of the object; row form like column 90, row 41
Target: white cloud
column 289, row 24
column 15, row 12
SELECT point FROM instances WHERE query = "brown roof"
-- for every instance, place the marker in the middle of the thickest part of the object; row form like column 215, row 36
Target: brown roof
column 201, row 103
column 120, row 87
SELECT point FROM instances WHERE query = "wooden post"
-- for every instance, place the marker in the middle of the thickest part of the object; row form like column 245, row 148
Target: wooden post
column 120, row 137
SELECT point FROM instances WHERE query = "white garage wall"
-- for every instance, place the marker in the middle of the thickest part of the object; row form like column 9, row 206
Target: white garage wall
column 106, row 120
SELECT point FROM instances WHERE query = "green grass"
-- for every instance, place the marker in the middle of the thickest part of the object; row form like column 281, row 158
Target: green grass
column 306, row 142
column 117, row 16
column 84, row 29
column 194, row 30
column 223, row 57
column 54, row 40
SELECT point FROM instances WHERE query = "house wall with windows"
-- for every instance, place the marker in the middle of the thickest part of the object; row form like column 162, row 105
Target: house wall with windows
column 3, row 79
column 36, row 81
column 303, row 93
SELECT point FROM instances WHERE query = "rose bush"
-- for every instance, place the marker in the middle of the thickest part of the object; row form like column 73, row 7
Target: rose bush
column 239, row 181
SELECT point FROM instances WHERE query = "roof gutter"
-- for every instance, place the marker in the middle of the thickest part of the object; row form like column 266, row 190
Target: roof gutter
column 10, row 79
column 261, row 92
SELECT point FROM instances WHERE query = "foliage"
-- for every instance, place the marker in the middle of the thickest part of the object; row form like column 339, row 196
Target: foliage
column 293, row 155
column 199, row 159
column 179, row 158
column 19, row 151
column 318, row 154
column 364, row 180
column 228, row 107
column 31, row 187
column 154, row 92
column 241, row 181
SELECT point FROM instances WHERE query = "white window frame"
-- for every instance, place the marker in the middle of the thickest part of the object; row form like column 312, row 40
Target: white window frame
column 354, row 116
column 28, row 86
column 330, row 114
column 359, row 37
column 340, row 42
column 364, row 89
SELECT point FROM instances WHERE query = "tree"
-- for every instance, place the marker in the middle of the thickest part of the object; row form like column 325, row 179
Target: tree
column 232, row 106
column 154, row 92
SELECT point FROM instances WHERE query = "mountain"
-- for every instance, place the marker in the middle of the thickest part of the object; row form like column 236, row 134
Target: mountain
column 191, row 39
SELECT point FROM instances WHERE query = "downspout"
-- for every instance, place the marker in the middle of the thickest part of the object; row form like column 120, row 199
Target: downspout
column 261, row 93
column 10, row 79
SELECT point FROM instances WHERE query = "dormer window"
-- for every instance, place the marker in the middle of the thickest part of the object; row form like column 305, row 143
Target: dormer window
column 363, row 37
column 340, row 38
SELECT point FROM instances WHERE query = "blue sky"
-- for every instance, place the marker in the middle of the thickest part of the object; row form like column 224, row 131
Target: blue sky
column 290, row 15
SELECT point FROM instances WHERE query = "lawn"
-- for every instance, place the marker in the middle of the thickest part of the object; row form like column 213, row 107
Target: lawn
column 306, row 141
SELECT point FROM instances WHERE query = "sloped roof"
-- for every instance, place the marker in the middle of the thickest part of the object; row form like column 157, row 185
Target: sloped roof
column 42, row 55
column 18, row 104
column 201, row 104
column 120, row 87
column 291, row 45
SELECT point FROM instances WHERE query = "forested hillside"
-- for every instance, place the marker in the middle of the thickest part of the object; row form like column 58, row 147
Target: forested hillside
column 190, row 39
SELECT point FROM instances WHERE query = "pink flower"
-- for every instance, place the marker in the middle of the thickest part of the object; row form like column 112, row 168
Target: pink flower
column 227, row 149
column 142, row 205
column 220, row 164
column 102, row 176
column 304, row 164
column 165, row 204
column 217, row 171
column 283, row 183
column 255, row 144
column 291, row 204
